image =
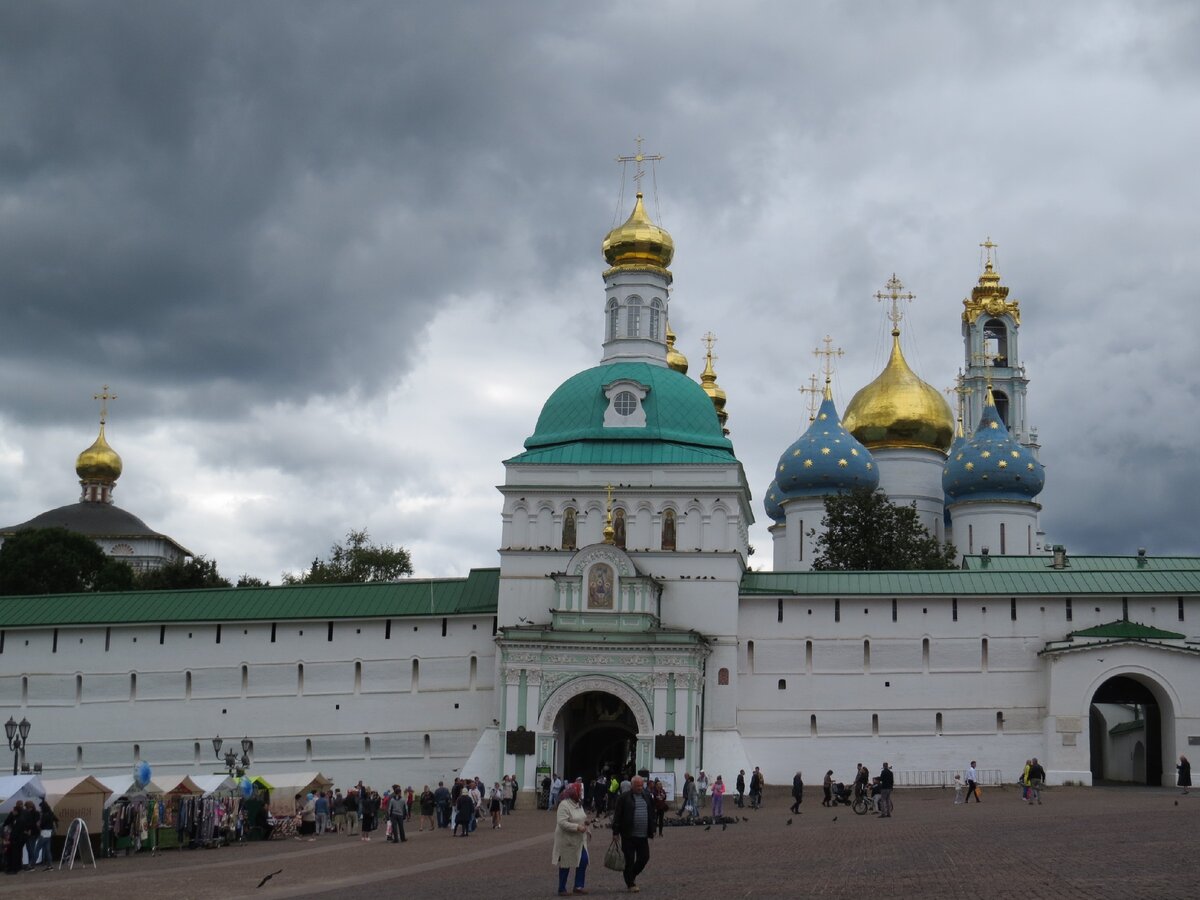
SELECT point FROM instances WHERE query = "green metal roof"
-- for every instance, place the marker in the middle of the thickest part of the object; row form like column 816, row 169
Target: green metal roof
column 959, row 583
column 676, row 409
column 1123, row 628
column 618, row 453
column 475, row 594
column 1126, row 727
column 1083, row 563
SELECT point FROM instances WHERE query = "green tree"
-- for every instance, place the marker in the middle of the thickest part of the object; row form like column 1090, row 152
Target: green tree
column 357, row 561
column 58, row 561
column 248, row 580
column 181, row 574
column 865, row 531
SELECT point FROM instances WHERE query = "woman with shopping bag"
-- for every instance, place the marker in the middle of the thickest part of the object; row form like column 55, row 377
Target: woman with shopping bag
column 571, row 830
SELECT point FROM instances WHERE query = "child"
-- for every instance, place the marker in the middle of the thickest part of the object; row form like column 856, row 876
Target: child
column 959, row 787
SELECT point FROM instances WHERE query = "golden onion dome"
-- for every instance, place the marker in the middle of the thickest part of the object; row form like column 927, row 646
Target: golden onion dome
column 638, row 242
column 898, row 409
column 99, row 462
column 675, row 359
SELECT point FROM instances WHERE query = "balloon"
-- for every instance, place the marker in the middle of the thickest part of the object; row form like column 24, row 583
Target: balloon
column 247, row 787
column 142, row 773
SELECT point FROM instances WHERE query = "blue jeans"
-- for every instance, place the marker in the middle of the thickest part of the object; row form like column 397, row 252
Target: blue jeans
column 580, row 873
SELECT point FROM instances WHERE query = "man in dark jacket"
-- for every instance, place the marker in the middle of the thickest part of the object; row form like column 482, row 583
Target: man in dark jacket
column 441, row 800
column 886, row 780
column 797, row 792
column 1037, row 777
column 632, row 817
column 741, row 787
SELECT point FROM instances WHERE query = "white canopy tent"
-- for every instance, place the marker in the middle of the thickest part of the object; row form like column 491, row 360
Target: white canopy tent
column 219, row 785
column 127, row 786
column 19, row 787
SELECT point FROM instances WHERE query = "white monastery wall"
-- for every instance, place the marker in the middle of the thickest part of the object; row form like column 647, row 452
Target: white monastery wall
column 824, row 683
column 406, row 707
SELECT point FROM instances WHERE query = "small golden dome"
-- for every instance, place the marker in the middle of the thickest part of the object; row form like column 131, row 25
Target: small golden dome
column 675, row 359
column 99, row 462
column 898, row 409
column 638, row 242
column 708, row 381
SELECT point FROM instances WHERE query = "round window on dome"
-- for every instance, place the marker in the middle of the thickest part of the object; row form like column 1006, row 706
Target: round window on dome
column 625, row 403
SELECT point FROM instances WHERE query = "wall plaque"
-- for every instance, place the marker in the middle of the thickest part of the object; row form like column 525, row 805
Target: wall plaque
column 669, row 746
column 520, row 742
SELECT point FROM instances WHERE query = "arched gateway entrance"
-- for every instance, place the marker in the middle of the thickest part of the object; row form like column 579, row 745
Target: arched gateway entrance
column 598, row 734
column 1126, row 727
column 596, row 722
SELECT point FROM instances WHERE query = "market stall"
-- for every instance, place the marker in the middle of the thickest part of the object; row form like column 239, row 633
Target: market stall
column 282, row 789
column 179, row 799
column 81, row 797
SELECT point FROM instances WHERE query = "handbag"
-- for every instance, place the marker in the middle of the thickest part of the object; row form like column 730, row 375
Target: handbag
column 614, row 856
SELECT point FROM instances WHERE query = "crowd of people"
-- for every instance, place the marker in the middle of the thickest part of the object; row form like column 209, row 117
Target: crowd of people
column 27, row 831
column 362, row 811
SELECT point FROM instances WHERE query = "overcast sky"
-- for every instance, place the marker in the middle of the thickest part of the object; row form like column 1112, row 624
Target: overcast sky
column 333, row 257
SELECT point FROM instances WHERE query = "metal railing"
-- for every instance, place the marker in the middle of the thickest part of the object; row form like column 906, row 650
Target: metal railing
column 944, row 777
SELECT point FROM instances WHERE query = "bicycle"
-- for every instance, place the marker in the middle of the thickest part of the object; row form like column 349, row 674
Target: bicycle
column 865, row 804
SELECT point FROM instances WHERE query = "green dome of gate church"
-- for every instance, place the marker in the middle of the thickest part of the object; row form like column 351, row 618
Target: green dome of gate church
column 662, row 407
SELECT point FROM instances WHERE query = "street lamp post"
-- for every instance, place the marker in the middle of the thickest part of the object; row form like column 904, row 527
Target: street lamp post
column 236, row 765
column 18, row 738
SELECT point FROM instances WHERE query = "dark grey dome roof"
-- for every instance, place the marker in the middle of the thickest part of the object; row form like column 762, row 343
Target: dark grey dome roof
column 93, row 519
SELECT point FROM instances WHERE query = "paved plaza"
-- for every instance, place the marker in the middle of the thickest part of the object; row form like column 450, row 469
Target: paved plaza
column 1080, row 843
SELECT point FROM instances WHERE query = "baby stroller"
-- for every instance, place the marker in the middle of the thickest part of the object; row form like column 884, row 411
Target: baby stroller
column 842, row 794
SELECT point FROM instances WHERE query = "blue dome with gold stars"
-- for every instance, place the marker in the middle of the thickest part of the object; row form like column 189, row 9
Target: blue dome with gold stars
column 773, row 503
column 825, row 460
column 991, row 464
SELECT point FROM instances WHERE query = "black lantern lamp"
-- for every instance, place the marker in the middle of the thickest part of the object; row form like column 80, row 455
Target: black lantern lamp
column 18, row 738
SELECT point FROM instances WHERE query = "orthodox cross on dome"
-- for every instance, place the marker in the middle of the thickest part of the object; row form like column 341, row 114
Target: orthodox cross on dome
column 894, row 294
column 814, row 392
column 829, row 353
column 639, row 158
column 988, row 247
column 104, row 396
column 709, row 339
column 986, row 360
column 962, row 391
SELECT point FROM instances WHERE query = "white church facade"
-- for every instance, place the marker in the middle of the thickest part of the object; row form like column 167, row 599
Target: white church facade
column 624, row 628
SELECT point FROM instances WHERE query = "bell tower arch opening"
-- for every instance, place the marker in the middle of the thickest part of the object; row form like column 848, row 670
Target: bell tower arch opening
column 1126, row 716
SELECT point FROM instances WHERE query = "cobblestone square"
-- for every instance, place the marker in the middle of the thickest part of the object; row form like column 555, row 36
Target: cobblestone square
column 1080, row 843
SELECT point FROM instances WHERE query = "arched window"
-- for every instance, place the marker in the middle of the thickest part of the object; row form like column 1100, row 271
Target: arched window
column 995, row 340
column 568, row 529
column 668, row 529
column 633, row 327
column 619, row 528
column 655, row 318
column 612, row 320
column 722, row 676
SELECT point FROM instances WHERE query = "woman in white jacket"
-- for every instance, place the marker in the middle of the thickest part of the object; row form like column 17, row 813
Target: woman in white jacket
column 571, row 831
